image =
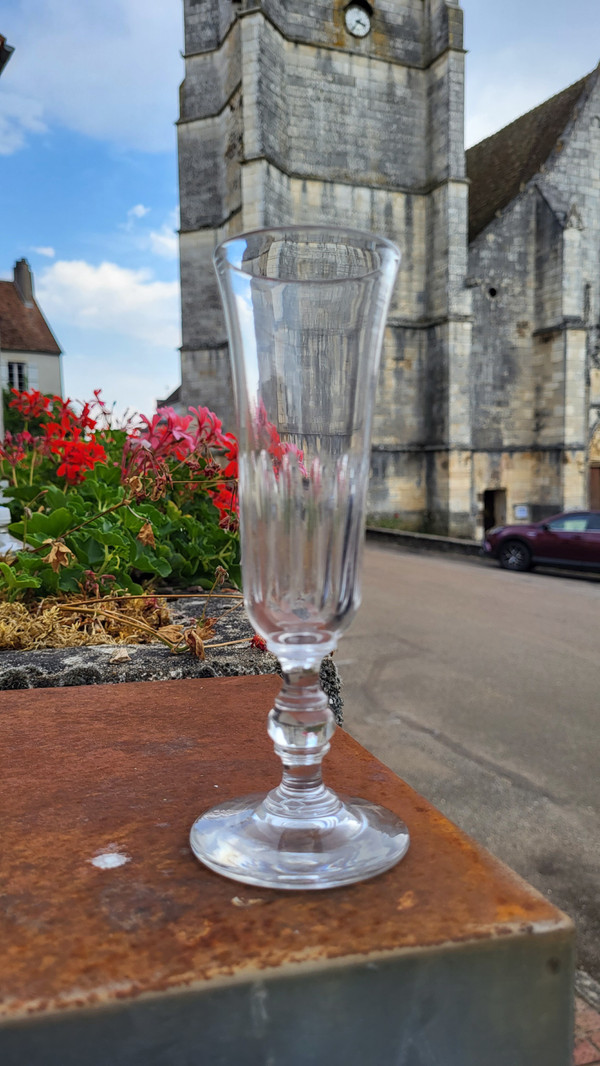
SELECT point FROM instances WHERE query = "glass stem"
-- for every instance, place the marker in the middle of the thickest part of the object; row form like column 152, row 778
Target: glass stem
column 301, row 725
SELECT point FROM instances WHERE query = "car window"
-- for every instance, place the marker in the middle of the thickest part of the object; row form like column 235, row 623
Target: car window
column 569, row 524
column 594, row 522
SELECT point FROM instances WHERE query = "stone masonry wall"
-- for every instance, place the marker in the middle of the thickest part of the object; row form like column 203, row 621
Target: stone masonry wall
column 285, row 117
column 206, row 23
column 573, row 177
column 536, row 302
column 321, row 113
column 397, row 31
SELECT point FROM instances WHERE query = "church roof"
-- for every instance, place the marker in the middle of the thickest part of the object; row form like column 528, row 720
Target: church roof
column 502, row 164
column 23, row 328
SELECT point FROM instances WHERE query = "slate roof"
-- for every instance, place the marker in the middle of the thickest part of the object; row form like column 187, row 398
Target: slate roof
column 22, row 328
column 502, row 164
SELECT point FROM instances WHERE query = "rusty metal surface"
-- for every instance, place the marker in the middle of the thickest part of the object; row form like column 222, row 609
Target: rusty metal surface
column 122, row 772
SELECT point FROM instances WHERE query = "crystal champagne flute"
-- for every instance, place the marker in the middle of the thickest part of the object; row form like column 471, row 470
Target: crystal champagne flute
column 306, row 310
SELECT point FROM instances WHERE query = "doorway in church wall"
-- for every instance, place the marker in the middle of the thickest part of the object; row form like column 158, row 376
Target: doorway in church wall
column 494, row 508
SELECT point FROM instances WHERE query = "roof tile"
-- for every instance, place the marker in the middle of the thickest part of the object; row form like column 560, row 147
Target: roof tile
column 22, row 328
column 502, row 164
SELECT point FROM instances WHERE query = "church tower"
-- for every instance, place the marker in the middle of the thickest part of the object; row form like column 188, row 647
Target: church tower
column 351, row 113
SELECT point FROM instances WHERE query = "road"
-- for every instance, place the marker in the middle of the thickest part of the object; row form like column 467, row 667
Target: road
column 481, row 688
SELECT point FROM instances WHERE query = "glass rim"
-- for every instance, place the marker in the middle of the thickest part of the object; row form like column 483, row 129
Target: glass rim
column 220, row 252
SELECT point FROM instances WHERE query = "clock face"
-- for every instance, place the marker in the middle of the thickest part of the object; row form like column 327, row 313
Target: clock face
column 357, row 20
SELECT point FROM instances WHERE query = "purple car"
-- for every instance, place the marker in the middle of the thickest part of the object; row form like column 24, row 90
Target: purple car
column 571, row 539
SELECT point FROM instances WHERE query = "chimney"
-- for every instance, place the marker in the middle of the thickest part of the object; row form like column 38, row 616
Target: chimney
column 24, row 282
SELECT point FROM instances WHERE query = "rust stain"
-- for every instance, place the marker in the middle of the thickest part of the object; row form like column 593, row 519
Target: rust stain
column 89, row 768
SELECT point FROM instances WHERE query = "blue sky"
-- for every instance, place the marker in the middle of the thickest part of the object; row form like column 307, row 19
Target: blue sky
column 88, row 165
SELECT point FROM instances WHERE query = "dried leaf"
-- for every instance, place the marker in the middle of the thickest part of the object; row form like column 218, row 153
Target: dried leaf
column 135, row 484
column 173, row 633
column 206, row 628
column 221, row 575
column 120, row 656
column 146, row 535
column 58, row 555
column 195, row 643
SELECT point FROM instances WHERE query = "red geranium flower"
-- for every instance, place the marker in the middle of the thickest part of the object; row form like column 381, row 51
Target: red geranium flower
column 77, row 456
column 32, row 404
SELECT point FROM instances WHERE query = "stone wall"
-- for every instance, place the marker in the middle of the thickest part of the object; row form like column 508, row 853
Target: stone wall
column 285, row 117
column 536, row 304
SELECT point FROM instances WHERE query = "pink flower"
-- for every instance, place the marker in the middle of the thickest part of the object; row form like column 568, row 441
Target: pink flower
column 210, row 428
column 165, row 434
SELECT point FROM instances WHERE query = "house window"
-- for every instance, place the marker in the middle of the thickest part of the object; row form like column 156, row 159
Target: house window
column 17, row 376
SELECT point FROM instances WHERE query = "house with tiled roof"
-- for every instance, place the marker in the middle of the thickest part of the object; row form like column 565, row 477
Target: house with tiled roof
column 30, row 356
column 534, row 274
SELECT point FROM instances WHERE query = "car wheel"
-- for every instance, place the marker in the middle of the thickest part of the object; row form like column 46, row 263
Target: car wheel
column 514, row 555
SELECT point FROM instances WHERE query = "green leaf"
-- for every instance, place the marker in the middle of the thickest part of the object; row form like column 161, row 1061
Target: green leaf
column 88, row 549
column 55, row 498
column 173, row 512
column 112, row 537
column 52, row 525
column 25, row 493
column 70, row 578
column 14, row 581
column 125, row 582
column 152, row 565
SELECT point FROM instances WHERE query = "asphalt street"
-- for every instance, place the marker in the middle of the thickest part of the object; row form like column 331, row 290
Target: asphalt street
column 481, row 688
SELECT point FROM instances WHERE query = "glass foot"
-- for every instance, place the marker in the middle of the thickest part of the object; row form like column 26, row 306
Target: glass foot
column 250, row 840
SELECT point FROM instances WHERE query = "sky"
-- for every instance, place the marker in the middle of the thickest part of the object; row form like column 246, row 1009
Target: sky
column 88, row 161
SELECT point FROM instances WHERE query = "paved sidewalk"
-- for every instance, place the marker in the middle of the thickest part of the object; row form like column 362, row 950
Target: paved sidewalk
column 587, row 1035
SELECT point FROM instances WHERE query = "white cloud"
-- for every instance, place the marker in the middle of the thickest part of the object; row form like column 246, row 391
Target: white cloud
column 20, row 114
column 111, row 299
column 105, row 68
column 45, row 250
column 165, row 242
column 138, row 211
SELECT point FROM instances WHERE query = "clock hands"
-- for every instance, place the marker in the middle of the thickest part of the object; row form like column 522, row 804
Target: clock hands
column 357, row 21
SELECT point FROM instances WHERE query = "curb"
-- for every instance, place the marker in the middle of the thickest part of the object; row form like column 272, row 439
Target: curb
column 399, row 538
